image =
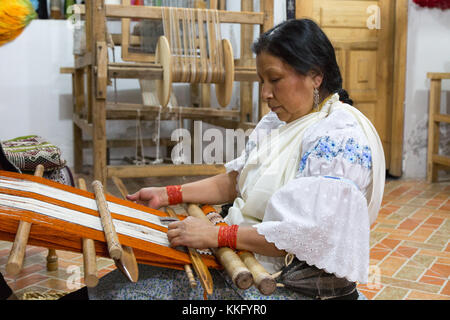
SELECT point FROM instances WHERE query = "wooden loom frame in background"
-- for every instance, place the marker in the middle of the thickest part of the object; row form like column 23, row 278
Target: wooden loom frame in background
column 92, row 112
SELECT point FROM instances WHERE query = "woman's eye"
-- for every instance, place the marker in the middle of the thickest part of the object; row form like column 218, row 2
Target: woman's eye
column 274, row 80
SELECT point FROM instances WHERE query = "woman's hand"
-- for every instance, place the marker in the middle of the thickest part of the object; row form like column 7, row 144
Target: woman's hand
column 152, row 197
column 193, row 233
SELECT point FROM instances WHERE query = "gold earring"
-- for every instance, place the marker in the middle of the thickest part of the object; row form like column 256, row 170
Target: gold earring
column 316, row 99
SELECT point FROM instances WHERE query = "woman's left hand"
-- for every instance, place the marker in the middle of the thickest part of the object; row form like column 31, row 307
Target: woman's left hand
column 193, row 233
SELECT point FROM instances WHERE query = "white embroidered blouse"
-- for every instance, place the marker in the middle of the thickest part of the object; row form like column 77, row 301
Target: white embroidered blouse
column 321, row 215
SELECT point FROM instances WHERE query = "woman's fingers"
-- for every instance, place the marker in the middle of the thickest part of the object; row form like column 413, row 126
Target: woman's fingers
column 151, row 197
column 191, row 232
column 133, row 197
column 173, row 233
column 174, row 225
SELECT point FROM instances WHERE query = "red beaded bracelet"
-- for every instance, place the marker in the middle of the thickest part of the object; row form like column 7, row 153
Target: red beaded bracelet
column 174, row 194
column 228, row 236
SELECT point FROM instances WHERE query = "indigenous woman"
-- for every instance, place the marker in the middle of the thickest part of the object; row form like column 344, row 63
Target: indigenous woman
column 305, row 191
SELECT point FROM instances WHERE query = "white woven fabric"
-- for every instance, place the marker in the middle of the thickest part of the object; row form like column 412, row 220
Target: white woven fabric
column 313, row 201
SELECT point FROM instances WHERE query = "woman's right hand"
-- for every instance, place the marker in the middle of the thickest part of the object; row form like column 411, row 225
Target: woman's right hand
column 153, row 197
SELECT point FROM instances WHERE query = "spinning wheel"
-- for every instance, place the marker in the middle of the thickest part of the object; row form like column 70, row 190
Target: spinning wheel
column 194, row 53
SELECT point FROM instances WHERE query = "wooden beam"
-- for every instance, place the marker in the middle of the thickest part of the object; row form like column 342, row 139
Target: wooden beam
column 433, row 128
column 82, row 61
column 123, row 143
column 441, row 160
column 154, row 72
column 66, row 70
column 154, row 13
column 246, row 88
column 442, row 118
column 398, row 102
column 438, row 75
column 99, row 86
column 129, row 111
column 164, row 170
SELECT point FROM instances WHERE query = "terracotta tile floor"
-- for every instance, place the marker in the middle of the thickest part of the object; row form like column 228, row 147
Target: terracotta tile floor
column 409, row 258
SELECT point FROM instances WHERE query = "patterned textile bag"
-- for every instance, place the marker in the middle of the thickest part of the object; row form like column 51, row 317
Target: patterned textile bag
column 314, row 282
column 27, row 152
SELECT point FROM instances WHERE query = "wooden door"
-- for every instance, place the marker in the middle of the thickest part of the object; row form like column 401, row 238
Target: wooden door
column 362, row 32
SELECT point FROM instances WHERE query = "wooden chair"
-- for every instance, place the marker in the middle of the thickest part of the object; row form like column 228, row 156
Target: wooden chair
column 435, row 161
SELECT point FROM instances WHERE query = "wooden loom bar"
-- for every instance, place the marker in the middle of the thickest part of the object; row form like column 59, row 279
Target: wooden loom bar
column 99, row 52
column 127, row 264
column 63, row 235
column 154, row 72
column 164, row 170
column 49, row 229
column 17, row 254
column 146, row 12
column 129, row 111
column 89, row 257
column 197, row 262
column 236, row 269
column 114, row 247
column 264, row 281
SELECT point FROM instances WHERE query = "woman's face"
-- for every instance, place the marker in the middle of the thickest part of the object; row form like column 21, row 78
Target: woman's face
column 288, row 93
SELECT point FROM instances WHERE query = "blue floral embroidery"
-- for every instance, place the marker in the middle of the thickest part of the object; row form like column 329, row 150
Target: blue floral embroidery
column 328, row 149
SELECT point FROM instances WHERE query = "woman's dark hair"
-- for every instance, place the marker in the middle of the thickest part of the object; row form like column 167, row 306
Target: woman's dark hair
column 305, row 47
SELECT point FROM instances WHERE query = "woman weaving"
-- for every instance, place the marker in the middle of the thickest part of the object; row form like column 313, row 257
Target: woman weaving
column 308, row 185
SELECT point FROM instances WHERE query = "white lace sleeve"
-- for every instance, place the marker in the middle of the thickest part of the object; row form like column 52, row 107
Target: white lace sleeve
column 321, row 216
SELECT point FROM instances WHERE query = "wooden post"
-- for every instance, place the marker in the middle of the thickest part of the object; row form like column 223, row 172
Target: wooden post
column 399, row 74
column 17, row 254
column 433, row 128
column 246, row 88
column 89, row 69
column 267, row 7
column 52, row 260
column 89, row 255
column 99, row 88
column 78, row 92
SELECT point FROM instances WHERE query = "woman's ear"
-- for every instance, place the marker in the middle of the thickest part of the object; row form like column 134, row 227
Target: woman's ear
column 316, row 78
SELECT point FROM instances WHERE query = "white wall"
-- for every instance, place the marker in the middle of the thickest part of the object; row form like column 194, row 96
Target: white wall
column 428, row 50
column 34, row 97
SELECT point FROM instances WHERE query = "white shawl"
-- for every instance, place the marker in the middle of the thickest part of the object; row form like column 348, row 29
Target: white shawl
column 275, row 161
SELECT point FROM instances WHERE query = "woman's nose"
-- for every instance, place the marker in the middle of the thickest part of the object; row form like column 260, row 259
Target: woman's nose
column 266, row 92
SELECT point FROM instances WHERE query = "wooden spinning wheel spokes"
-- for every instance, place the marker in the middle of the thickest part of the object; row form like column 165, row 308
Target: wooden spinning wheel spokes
column 192, row 51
